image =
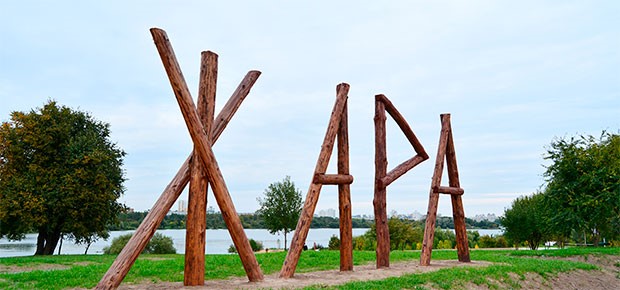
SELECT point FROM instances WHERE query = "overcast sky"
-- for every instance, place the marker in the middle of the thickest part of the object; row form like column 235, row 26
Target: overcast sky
column 513, row 74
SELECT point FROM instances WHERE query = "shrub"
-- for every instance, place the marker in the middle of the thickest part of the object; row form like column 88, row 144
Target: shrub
column 334, row 243
column 256, row 246
column 159, row 244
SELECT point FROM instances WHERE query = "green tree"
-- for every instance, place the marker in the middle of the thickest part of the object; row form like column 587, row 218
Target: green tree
column 281, row 207
column 59, row 175
column 525, row 221
column 583, row 186
column 159, row 244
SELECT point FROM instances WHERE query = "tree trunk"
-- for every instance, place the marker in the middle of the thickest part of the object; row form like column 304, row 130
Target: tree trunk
column 47, row 242
column 60, row 245
column 87, row 246
column 285, row 232
column 40, row 242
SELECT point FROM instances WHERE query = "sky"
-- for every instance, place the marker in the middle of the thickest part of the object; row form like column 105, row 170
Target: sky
column 514, row 75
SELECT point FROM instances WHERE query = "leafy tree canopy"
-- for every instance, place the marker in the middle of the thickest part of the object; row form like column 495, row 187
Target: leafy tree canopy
column 583, row 186
column 59, row 175
column 281, row 207
column 525, row 221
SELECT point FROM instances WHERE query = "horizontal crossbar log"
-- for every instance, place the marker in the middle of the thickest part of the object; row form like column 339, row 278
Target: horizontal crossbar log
column 333, row 178
column 450, row 190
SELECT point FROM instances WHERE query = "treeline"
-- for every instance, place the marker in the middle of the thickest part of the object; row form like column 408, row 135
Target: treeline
column 131, row 221
column 580, row 200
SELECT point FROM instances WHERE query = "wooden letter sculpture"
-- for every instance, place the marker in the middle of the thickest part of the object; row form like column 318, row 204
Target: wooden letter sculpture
column 200, row 166
column 337, row 126
column 382, row 178
column 445, row 151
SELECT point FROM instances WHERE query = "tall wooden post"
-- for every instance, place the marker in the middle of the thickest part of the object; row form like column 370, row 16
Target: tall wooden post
column 344, row 195
column 445, row 152
column 194, row 272
column 123, row 262
column 384, row 178
column 320, row 178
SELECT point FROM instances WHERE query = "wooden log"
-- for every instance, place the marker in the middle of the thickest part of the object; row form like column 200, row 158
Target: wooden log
column 233, row 103
column 380, row 198
column 305, row 218
column 136, row 244
column 401, row 169
column 433, row 200
column 194, row 272
column 458, row 213
column 333, row 178
column 344, row 195
column 127, row 257
column 450, row 190
column 203, row 147
column 404, row 126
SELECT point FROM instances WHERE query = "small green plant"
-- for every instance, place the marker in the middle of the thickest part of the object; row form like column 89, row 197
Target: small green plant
column 256, row 246
column 334, row 243
column 159, row 244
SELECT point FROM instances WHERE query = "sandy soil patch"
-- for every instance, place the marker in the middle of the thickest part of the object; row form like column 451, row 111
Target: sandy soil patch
column 324, row 278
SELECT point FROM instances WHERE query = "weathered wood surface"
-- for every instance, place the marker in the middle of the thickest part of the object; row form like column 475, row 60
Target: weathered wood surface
column 203, row 146
column 127, row 257
column 305, row 218
column 344, row 195
column 450, row 190
column 194, row 271
column 433, row 199
column 404, row 126
column 380, row 198
column 333, row 178
column 401, row 169
column 458, row 213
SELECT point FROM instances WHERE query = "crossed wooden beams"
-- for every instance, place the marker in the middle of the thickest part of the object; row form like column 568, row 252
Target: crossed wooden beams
column 338, row 126
column 445, row 152
column 199, row 167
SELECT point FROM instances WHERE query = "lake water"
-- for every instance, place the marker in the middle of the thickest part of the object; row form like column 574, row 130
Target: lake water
column 218, row 241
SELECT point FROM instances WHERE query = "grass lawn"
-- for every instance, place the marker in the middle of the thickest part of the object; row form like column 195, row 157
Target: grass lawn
column 71, row 271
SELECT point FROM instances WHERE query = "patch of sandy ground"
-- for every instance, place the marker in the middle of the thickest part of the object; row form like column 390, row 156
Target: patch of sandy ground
column 605, row 278
column 323, row 278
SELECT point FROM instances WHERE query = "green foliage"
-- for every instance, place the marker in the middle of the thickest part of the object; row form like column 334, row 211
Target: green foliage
column 159, row 244
column 334, row 243
column 583, row 186
column 525, row 221
column 281, row 207
column 256, row 246
column 60, row 175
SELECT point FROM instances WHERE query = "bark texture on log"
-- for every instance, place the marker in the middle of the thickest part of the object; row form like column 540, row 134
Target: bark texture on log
column 344, row 195
column 194, row 273
column 305, row 218
column 203, row 146
column 445, row 152
column 333, row 178
column 380, row 198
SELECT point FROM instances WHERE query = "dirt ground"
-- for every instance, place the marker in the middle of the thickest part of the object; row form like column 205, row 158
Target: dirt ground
column 606, row 278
